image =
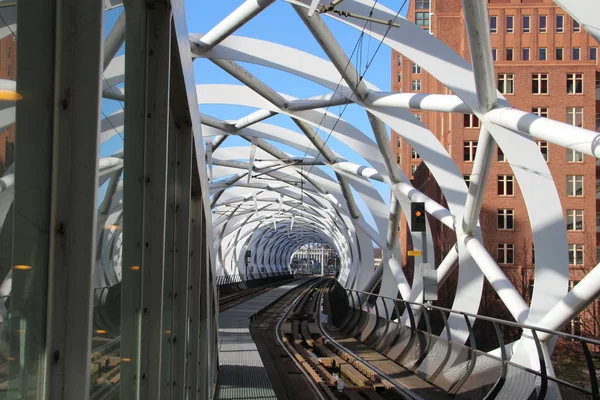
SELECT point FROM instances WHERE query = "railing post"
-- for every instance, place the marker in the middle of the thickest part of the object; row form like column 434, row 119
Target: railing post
column 592, row 370
column 500, row 382
column 456, row 387
column 543, row 371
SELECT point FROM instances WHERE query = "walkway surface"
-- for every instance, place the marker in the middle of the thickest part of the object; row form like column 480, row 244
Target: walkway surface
column 242, row 374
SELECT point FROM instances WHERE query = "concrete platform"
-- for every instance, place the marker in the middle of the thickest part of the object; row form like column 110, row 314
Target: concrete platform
column 242, row 373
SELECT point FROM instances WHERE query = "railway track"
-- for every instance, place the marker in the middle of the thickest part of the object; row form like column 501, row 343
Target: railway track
column 333, row 371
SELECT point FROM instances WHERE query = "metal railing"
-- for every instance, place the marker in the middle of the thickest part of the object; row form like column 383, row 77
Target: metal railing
column 465, row 370
column 232, row 284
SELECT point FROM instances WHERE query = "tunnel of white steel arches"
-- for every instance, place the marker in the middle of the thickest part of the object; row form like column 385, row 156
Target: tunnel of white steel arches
column 298, row 199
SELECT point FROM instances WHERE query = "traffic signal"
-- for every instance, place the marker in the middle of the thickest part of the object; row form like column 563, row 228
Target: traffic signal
column 417, row 211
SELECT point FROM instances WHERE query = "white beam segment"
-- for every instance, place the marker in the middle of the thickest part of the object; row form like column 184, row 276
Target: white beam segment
column 251, row 157
column 418, row 101
column 586, row 291
column 328, row 100
column 230, row 24
column 333, row 50
column 494, row 274
column 114, row 40
column 565, row 135
column 478, row 32
column 253, row 118
column 241, row 74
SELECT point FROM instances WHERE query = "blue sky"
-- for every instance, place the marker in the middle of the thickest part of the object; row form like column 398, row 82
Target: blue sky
column 279, row 23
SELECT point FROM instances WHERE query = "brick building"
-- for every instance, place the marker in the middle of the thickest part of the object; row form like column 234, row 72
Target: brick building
column 545, row 63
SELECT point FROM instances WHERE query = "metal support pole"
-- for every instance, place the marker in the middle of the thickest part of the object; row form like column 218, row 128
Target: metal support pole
column 73, row 212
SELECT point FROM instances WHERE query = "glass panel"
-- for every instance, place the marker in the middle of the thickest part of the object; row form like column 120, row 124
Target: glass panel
column 106, row 330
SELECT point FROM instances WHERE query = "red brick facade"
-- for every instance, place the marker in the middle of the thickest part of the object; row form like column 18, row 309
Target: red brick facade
column 447, row 23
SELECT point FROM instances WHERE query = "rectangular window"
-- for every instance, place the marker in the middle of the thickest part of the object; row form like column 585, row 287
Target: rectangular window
column 509, row 54
column 526, row 24
column 574, row 83
column 470, row 148
column 398, row 158
column 399, row 77
column 506, row 219
column 8, row 54
column 470, row 121
column 575, row 185
column 539, row 84
column 398, row 142
column 526, row 53
column 541, row 111
column 399, row 60
column 422, row 5
column 597, row 223
column 575, row 116
column 467, row 179
column 506, row 83
column 574, row 156
column 543, row 23
column 414, row 155
column 493, row 24
column 543, row 56
column 543, row 146
column 506, row 253
column 416, row 68
column 575, row 254
column 560, row 53
column 576, row 27
column 576, row 53
column 418, row 116
column 501, row 156
column 494, row 54
column 560, row 23
column 598, row 122
column 422, row 19
column 413, row 169
column 575, row 220
column 510, row 24
column 506, row 185
column 593, row 54
column 416, row 85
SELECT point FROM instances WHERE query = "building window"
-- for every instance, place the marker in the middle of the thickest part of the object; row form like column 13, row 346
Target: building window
column 543, row 23
column 506, row 83
column 414, row 155
column 574, row 156
column 493, row 24
column 560, row 53
column 597, row 122
column 543, row 146
column 506, row 219
column 416, row 68
column 575, row 220
column 543, row 56
column 506, row 185
column 418, row 116
column 510, row 24
column 576, row 53
column 399, row 60
column 526, row 52
column 8, row 70
column 509, row 54
column 506, row 253
column 560, row 23
column 501, row 156
column 470, row 148
column 576, row 27
column 574, row 83
column 593, row 54
column 526, row 24
column 8, row 54
column 414, row 168
column 575, row 116
column 539, row 84
column 575, row 254
column 398, row 142
column 575, row 185
column 471, row 121
column 399, row 77
column 494, row 54
column 398, row 158
column 541, row 111
column 597, row 226
column 416, row 85
column 467, row 179
column 422, row 5
column 422, row 19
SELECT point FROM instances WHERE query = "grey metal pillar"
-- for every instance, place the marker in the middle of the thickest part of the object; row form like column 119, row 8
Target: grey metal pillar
column 147, row 78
